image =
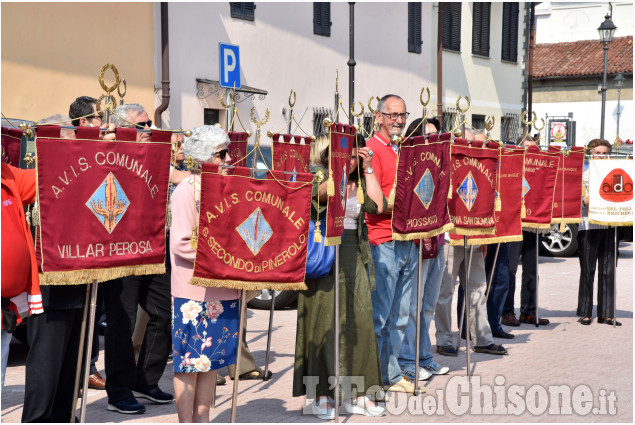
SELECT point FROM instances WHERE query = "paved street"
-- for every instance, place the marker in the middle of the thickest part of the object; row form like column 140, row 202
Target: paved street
column 593, row 365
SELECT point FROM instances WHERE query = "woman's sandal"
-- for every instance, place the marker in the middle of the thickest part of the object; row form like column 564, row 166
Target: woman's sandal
column 585, row 321
column 608, row 321
column 255, row 374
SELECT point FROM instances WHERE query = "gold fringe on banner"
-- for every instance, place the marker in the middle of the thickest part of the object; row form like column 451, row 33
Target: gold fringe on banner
column 536, row 225
column 471, row 232
column 422, row 235
column 332, row 241
column 239, row 284
column 80, row 277
column 566, row 220
column 487, row 241
column 612, row 223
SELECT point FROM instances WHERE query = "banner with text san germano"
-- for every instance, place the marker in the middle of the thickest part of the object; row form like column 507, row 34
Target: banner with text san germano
column 341, row 147
column 539, row 184
column 611, row 191
column 238, row 148
column 422, row 184
column 473, row 187
column 11, row 145
column 568, row 191
column 252, row 233
column 291, row 153
column 102, row 205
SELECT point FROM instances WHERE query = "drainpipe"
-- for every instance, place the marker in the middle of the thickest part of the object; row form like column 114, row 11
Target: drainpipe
column 351, row 61
column 440, row 65
column 532, row 47
column 165, row 66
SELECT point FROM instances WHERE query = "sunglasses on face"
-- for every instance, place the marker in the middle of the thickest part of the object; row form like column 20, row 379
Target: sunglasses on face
column 143, row 124
column 222, row 154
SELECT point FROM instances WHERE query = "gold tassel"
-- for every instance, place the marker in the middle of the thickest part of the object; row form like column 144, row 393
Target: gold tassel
column 583, row 191
column 168, row 217
column 393, row 193
column 330, row 185
column 360, row 193
column 523, row 210
column 498, row 204
column 35, row 217
column 450, row 191
column 317, row 235
column 562, row 227
column 194, row 239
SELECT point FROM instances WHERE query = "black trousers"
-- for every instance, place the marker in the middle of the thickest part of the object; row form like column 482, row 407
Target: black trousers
column 121, row 297
column 596, row 247
column 51, row 365
column 530, row 271
column 513, row 253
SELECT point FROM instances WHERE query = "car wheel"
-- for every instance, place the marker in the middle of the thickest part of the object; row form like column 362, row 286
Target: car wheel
column 558, row 244
column 263, row 300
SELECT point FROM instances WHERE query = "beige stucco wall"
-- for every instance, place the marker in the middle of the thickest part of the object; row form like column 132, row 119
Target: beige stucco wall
column 52, row 53
column 581, row 90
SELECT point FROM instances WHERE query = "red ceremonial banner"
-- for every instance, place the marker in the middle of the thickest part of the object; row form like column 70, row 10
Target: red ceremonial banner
column 252, row 233
column 238, row 148
column 539, row 183
column 288, row 156
column 11, row 144
column 568, row 191
column 341, row 147
column 509, row 187
column 422, row 184
column 473, row 187
column 102, row 205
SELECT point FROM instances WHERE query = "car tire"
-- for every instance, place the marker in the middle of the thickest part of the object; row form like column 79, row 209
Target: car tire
column 556, row 244
column 263, row 300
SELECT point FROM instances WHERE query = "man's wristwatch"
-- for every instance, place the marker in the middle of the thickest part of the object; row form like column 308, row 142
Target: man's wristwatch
column 369, row 170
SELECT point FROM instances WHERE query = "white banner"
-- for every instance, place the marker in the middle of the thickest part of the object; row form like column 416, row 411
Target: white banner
column 611, row 191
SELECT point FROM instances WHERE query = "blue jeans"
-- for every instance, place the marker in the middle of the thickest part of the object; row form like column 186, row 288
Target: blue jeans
column 395, row 274
column 500, row 285
column 431, row 274
column 6, row 341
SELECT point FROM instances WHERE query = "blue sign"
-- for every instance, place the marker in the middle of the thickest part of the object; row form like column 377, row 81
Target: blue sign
column 229, row 65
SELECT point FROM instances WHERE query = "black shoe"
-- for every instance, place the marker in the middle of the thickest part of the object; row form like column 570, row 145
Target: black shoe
column 608, row 321
column 154, row 394
column 502, row 334
column 129, row 406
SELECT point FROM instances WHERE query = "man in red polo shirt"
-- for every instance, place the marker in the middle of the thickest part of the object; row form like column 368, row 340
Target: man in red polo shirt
column 395, row 261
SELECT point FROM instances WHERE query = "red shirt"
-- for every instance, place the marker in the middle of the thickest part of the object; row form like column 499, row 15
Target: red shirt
column 385, row 168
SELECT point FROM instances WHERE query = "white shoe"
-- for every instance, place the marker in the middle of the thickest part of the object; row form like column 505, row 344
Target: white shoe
column 435, row 369
column 322, row 410
column 403, row 386
column 363, row 406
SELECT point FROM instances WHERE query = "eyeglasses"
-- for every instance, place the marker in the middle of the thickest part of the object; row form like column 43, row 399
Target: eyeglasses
column 143, row 124
column 393, row 116
column 96, row 117
column 222, row 154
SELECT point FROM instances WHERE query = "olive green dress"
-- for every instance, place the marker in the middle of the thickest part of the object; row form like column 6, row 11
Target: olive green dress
column 314, row 347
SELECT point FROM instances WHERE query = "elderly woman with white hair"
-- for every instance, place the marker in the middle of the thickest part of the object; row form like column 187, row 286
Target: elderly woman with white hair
column 204, row 320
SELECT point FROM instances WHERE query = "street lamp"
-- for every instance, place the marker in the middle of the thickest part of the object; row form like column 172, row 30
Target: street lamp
column 606, row 30
column 619, row 81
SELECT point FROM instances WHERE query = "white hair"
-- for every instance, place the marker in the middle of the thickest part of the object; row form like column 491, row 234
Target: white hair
column 204, row 142
column 59, row 119
column 125, row 112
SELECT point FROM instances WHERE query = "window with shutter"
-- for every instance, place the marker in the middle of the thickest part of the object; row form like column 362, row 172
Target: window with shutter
column 242, row 10
column 509, row 50
column 322, row 18
column 452, row 26
column 480, row 29
column 414, row 27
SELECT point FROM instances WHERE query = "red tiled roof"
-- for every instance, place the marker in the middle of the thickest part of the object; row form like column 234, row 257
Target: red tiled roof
column 583, row 58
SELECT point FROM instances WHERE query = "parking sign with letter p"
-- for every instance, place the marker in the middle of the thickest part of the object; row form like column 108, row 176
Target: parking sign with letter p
column 229, row 60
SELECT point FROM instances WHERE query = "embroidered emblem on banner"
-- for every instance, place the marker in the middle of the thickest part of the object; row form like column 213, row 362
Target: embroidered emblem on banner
column 425, row 189
column 255, row 231
column 467, row 191
column 344, row 143
column 109, row 203
column 525, row 187
column 343, row 187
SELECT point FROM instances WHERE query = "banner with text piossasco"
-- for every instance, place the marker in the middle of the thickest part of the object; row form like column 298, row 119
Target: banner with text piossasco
column 102, row 205
column 539, row 184
column 288, row 156
column 238, row 148
column 252, row 233
column 568, row 191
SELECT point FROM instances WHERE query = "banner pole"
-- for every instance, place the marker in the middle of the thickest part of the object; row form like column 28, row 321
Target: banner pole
column 537, row 279
column 80, row 351
column 337, row 333
column 615, row 279
column 418, row 337
column 241, row 329
column 462, row 310
column 88, row 347
column 466, row 299
column 269, row 331
column 491, row 277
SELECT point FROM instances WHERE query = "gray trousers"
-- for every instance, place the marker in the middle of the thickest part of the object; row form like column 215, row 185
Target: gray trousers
column 455, row 266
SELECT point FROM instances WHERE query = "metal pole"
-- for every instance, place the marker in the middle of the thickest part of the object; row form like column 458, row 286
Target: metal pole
column 619, row 92
column 269, row 331
column 467, row 300
column 440, row 65
column 537, row 279
column 491, row 277
column 615, row 280
column 337, row 333
column 241, row 328
column 80, row 351
column 89, row 339
column 606, row 53
column 351, row 61
column 418, row 337
column 228, row 110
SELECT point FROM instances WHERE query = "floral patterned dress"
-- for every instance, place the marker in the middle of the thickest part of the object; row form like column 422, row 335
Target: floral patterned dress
column 204, row 334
